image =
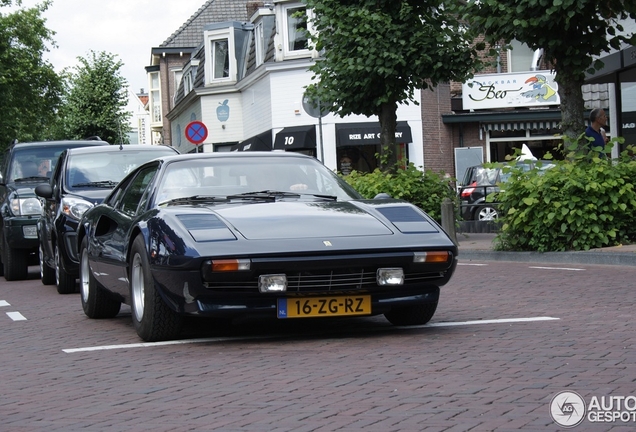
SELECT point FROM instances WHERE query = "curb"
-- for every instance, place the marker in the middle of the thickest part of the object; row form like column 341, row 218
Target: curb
column 583, row 257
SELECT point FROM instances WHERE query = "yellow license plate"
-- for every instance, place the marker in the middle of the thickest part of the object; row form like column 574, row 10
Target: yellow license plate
column 306, row 307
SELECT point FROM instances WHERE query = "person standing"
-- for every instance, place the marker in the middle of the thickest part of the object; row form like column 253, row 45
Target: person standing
column 596, row 129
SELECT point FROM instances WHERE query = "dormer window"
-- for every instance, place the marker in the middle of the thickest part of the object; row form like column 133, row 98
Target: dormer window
column 220, row 59
column 259, row 40
column 295, row 41
column 189, row 75
column 220, row 62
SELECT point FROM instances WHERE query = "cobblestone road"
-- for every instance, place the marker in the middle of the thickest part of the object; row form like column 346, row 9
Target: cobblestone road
column 63, row 372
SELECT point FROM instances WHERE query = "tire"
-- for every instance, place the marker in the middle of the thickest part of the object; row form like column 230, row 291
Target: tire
column 96, row 301
column 486, row 213
column 411, row 315
column 152, row 318
column 47, row 274
column 65, row 282
column 15, row 262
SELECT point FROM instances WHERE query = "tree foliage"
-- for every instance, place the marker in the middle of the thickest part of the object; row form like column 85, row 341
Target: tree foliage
column 571, row 33
column 95, row 101
column 30, row 88
column 378, row 53
column 425, row 189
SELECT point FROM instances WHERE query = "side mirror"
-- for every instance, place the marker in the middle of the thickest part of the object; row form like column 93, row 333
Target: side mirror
column 44, row 191
column 382, row 195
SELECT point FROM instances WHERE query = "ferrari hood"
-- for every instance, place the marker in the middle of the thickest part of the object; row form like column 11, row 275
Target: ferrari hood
column 299, row 219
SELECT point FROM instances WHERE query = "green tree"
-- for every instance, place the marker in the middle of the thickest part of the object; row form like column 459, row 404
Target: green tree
column 571, row 33
column 378, row 53
column 95, row 100
column 30, row 89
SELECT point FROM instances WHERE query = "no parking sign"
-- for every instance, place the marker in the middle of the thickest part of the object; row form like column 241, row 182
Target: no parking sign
column 196, row 132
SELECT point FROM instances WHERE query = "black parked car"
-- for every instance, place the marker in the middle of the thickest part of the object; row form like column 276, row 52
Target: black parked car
column 82, row 178
column 22, row 167
column 480, row 181
column 256, row 233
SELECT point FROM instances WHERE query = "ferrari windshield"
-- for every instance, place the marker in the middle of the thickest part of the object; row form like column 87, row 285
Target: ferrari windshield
column 248, row 178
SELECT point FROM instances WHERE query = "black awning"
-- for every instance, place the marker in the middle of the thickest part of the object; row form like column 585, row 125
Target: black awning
column 295, row 138
column 260, row 142
column 369, row 133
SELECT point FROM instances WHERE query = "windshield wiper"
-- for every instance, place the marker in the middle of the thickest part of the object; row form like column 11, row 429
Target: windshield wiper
column 327, row 197
column 193, row 198
column 97, row 184
column 269, row 195
column 32, row 178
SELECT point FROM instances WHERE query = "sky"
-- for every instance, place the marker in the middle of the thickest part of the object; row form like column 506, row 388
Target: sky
column 128, row 29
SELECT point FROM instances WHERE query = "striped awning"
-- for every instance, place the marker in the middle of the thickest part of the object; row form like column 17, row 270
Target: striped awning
column 525, row 125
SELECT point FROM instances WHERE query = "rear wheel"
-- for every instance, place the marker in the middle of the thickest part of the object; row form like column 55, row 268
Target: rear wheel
column 65, row 282
column 411, row 315
column 152, row 318
column 96, row 301
column 14, row 261
column 487, row 213
column 47, row 274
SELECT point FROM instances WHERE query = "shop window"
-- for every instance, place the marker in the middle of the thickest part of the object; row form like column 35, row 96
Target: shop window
column 363, row 158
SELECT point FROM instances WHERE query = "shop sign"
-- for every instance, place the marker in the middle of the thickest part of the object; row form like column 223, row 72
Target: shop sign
column 510, row 90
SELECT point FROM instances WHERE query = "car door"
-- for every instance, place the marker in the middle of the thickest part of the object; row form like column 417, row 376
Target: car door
column 119, row 221
column 51, row 209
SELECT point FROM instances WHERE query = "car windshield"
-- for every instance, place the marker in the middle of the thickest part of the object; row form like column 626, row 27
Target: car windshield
column 250, row 179
column 105, row 170
column 34, row 163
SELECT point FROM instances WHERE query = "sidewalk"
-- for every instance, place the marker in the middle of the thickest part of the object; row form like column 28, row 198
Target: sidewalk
column 480, row 247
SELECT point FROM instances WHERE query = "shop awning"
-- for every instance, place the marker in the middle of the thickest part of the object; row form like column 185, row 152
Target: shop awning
column 349, row 134
column 526, row 125
column 260, row 142
column 295, row 138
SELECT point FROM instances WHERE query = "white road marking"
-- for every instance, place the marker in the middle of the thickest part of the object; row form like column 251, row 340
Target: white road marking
column 225, row 339
column 558, row 268
column 4, row 303
column 16, row 316
column 471, row 264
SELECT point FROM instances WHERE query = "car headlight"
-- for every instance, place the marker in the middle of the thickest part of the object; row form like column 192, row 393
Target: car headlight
column 26, row 206
column 75, row 207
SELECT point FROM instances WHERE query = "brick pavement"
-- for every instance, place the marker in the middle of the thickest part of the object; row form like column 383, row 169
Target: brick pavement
column 348, row 375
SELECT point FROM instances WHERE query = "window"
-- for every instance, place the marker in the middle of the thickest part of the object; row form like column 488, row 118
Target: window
column 155, row 98
column 189, row 75
column 520, row 57
column 220, row 61
column 295, row 26
column 259, row 40
column 130, row 200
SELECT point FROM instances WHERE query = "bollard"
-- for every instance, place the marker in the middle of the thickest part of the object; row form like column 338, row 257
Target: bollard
column 448, row 218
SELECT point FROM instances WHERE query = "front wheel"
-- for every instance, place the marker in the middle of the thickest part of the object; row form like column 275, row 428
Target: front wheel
column 96, row 301
column 15, row 262
column 411, row 315
column 152, row 318
column 65, row 282
column 47, row 274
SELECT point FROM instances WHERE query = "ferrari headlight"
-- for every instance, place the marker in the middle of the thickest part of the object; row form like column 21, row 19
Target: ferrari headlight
column 26, row 206
column 75, row 207
column 272, row 283
column 390, row 276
